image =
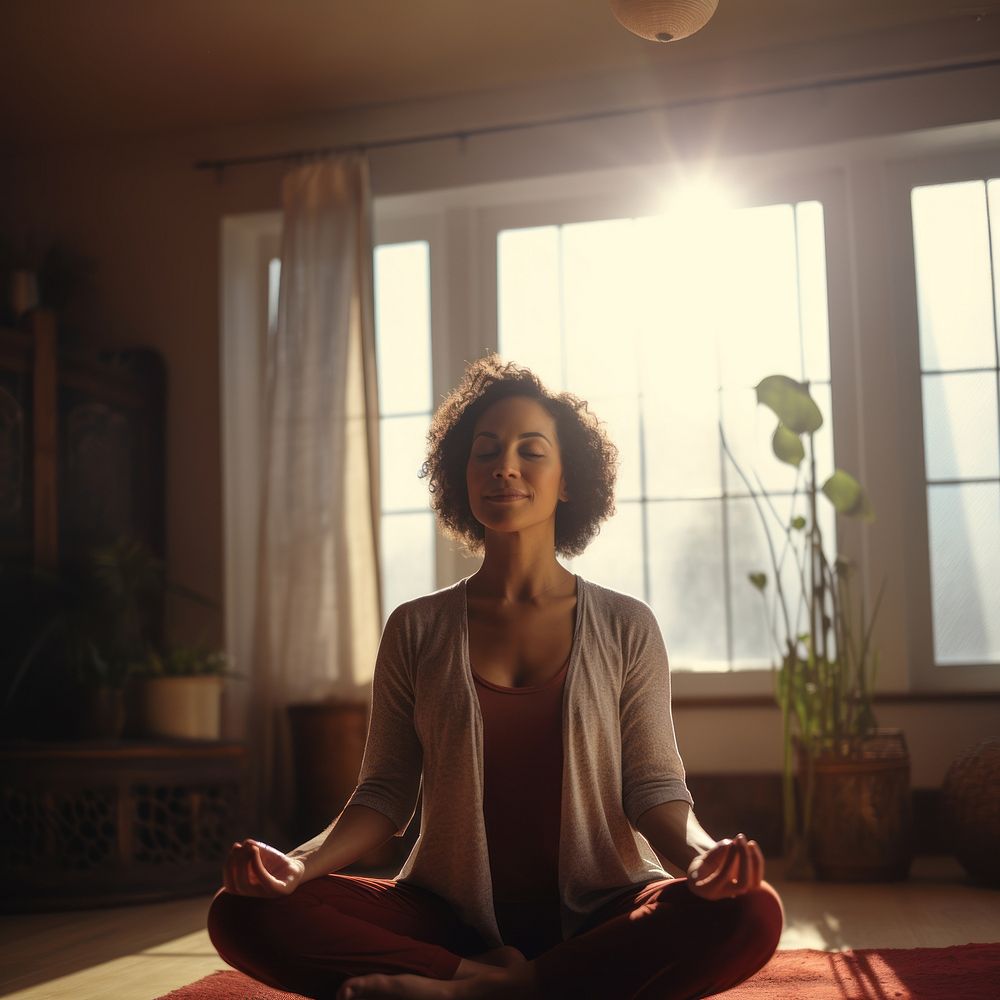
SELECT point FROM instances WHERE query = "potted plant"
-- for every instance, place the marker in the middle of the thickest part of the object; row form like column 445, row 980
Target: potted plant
column 94, row 616
column 182, row 691
column 853, row 818
column 90, row 627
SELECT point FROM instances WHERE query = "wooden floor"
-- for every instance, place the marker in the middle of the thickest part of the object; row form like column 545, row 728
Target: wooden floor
column 142, row 952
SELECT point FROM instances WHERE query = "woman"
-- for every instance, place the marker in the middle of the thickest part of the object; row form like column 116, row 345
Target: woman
column 530, row 709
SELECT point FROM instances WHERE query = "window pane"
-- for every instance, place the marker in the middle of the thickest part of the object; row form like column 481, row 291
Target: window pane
column 758, row 620
column 960, row 426
column 757, row 298
column 993, row 198
column 954, row 286
column 273, row 283
column 648, row 319
column 402, row 451
column 686, row 581
column 965, row 569
column 614, row 558
column 403, row 327
column 812, row 291
column 621, row 416
column 681, row 425
column 407, row 558
column 675, row 330
column 597, row 282
column 753, row 614
column 528, row 293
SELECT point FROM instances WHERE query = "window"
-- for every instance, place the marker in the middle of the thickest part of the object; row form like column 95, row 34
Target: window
column 869, row 270
column 956, row 245
column 403, row 359
column 665, row 328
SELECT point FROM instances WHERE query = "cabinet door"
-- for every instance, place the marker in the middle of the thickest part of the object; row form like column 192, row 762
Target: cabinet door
column 111, row 451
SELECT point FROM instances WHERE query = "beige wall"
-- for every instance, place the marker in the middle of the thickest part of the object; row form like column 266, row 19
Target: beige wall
column 151, row 223
column 748, row 740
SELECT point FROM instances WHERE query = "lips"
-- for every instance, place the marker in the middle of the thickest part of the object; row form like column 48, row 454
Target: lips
column 506, row 496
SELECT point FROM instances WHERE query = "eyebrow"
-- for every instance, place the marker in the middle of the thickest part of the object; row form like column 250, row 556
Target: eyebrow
column 526, row 434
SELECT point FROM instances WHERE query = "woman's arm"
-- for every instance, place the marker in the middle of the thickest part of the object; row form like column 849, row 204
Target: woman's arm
column 355, row 832
column 715, row 869
column 674, row 833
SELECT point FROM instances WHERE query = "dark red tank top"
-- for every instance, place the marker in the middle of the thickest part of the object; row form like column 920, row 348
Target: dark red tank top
column 522, row 795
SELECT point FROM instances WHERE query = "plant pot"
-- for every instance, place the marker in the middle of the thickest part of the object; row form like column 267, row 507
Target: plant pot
column 861, row 829
column 328, row 744
column 185, row 707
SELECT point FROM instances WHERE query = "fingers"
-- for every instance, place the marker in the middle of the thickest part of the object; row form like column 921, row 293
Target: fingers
column 737, row 869
column 261, row 875
column 725, row 865
column 244, row 872
column 230, row 872
column 756, row 865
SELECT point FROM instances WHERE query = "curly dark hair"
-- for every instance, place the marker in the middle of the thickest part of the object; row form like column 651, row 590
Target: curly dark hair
column 589, row 458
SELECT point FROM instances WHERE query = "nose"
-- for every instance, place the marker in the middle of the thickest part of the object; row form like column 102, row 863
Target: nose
column 506, row 467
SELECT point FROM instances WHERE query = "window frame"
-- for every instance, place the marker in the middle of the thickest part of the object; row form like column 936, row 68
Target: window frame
column 901, row 177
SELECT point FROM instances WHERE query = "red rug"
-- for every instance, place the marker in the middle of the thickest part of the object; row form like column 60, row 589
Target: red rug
column 965, row 972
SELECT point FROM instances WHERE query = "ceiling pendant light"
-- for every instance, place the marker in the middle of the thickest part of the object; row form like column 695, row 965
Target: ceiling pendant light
column 663, row 20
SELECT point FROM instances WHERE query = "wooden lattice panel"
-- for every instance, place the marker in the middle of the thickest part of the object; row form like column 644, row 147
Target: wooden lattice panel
column 84, row 824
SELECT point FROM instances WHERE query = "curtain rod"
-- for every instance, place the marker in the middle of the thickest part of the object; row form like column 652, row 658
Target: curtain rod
column 463, row 134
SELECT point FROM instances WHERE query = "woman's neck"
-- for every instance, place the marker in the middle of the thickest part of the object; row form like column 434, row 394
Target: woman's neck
column 512, row 575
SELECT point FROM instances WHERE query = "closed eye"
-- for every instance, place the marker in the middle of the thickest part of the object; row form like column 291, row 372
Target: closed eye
column 526, row 454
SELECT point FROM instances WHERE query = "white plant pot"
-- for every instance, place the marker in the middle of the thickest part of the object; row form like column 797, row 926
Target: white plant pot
column 186, row 707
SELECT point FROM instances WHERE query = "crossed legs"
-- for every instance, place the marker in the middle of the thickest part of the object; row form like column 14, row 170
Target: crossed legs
column 348, row 936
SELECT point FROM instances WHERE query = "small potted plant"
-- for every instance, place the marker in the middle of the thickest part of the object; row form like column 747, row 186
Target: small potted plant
column 91, row 620
column 853, row 819
column 87, row 630
column 182, row 691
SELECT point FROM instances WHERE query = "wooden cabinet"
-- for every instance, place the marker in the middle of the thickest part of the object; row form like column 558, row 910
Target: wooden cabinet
column 81, row 446
column 90, row 823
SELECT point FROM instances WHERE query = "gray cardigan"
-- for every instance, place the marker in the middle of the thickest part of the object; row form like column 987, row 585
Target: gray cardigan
column 620, row 758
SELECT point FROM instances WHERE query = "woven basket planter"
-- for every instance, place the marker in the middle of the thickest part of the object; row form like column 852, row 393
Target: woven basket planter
column 971, row 797
column 862, row 821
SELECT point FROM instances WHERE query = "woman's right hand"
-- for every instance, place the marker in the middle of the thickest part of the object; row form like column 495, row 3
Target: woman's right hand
column 255, row 869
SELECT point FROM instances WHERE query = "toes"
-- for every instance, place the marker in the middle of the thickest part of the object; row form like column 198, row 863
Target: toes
column 358, row 987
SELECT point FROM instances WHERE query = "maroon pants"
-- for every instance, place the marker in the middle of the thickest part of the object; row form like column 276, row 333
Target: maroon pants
column 654, row 942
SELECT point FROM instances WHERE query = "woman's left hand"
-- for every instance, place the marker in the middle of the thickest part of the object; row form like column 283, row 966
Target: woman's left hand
column 731, row 868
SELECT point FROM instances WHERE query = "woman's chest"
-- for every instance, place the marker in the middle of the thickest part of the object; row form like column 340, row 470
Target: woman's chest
column 521, row 647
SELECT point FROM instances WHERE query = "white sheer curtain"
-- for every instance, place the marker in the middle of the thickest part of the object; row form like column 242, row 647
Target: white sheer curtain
column 318, row 617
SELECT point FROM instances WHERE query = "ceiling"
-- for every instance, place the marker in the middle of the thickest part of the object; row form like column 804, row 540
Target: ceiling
column 82, row 71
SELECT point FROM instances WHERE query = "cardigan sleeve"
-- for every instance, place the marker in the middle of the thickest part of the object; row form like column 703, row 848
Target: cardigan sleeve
column 389, row 780
column 652, row 770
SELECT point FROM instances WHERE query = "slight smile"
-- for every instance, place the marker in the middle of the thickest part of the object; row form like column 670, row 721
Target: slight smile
column 507, row 497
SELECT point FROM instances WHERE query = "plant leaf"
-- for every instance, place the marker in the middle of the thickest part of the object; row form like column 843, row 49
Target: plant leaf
column 787, row 446
column 848, row 496
column 791, row 403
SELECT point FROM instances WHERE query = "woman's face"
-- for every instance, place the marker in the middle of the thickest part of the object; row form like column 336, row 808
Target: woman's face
column 514, row 474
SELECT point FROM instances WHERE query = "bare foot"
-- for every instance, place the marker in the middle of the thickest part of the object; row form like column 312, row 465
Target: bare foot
column 516, row 981
column 417, row 987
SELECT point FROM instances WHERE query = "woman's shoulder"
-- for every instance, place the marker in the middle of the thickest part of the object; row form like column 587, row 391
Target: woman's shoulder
column 617, row 608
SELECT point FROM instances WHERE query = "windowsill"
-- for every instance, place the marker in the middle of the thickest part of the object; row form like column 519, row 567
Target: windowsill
column 766, row 701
